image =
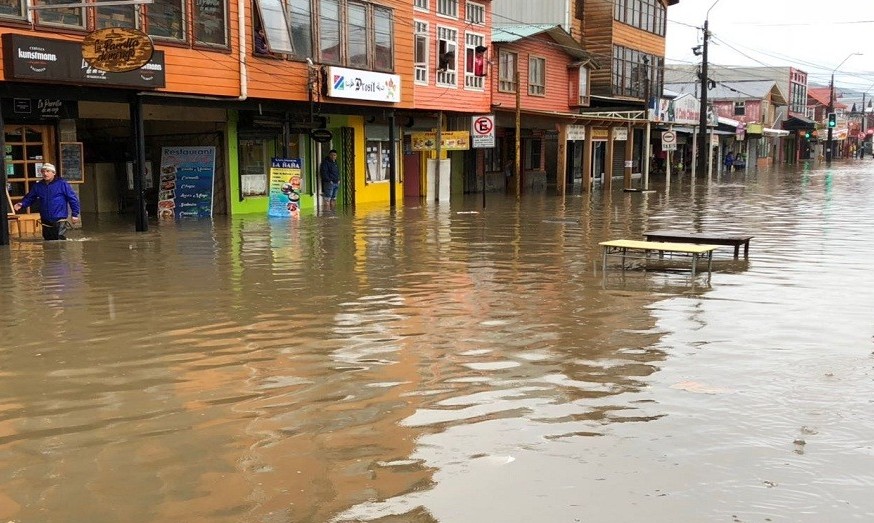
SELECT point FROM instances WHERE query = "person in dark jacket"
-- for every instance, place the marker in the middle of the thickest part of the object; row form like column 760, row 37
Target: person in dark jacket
column 330, row 173
column 54, row 195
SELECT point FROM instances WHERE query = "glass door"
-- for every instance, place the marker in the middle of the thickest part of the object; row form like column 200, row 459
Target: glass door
column 27, row 148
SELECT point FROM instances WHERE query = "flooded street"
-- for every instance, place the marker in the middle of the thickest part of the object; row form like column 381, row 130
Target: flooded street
column 449, row 363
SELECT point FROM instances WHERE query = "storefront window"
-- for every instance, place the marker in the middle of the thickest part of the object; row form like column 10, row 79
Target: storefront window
column 533, row 154
column 377, row 153
column 253, row 167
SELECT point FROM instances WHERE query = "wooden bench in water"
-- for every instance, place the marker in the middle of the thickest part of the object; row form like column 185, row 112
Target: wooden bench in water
column 735, row 240
column 636, row 249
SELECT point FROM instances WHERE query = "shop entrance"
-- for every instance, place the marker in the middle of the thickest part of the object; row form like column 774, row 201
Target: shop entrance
column 27, row 148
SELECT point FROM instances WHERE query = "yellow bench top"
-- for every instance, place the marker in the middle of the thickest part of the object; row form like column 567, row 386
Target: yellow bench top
column 639, row 245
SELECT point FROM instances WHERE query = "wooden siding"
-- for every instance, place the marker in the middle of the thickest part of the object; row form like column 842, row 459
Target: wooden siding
column 598, row 39
column 600, row 32
column 556, row 96
column 457, row 98
column 207, row 72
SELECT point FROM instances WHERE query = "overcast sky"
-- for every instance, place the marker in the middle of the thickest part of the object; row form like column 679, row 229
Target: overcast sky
column 812, row 35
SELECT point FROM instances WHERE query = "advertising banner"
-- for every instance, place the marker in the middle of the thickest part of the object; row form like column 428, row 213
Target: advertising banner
column 285, row 187
column 185, row 185
column 449, row 141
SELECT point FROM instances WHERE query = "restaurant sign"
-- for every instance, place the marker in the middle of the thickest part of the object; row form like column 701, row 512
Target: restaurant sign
column 30, row 58
column 117, row 49
column 449, row 141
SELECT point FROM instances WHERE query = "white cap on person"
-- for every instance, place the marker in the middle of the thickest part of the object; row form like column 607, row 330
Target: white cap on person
column 48, row 167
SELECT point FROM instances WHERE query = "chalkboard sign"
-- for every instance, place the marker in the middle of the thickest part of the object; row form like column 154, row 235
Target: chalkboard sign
column 72, row 167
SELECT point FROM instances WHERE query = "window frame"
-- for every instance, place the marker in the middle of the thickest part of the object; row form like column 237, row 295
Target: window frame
column 535, row 88
column 507, row 84
column 364, row 35
column 445, row 6
column 375, row 61
column 480, row 8
column 225, row 26
column 447, row 77
column 60, row 13
column 420, row 5
column 740, row 108
column 423, row 37
column 471, row 41
column 263, row 144
column 183, row 21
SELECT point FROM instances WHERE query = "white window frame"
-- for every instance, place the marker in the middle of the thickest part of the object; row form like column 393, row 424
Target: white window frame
column 536, row 83
column 421, row 68
column 583, row 85
column 274, row 21
column 447, row 77
column 420, row 5
column 83, row 16
column 447, row 8
column 475, row 14
column 471, row 81
column 507, row 78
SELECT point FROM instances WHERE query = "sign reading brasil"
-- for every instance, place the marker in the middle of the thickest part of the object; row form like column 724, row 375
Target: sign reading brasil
column 117, row 49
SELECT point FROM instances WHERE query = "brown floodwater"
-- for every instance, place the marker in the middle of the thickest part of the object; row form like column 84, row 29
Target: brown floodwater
column 449, row 363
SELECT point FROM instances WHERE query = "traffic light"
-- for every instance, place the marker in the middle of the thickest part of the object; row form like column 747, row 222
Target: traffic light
column 832, row 120
column 807, row 135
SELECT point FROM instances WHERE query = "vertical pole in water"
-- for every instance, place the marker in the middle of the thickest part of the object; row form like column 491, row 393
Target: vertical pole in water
column 392, row 168
column 4, row 219
column 139, row 132
column 439, row 150
column 518, row 164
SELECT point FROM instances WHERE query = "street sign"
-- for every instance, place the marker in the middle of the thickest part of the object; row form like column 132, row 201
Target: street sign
column 669, row 141
column 482, row 131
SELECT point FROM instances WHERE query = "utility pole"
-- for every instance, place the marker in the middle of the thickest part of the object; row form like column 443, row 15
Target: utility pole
column 702, row 119
column 831, row 108
column 518, row 158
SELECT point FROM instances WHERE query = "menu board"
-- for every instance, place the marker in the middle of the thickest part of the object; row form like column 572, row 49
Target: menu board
column 72, row 165
column 185, row 183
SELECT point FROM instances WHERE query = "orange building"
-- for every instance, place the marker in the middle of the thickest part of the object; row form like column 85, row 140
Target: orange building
column 451, row 67
column 246, row 80
column 543, row 77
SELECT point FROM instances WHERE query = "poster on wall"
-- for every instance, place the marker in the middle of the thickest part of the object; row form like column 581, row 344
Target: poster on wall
column 285, row 187
column 185, row 184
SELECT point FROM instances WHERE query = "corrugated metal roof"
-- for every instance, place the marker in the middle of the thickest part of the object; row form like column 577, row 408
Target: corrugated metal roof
column 755, row 89
column 513, row 33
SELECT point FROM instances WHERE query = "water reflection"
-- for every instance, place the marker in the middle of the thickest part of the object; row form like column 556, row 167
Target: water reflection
column 447, row 363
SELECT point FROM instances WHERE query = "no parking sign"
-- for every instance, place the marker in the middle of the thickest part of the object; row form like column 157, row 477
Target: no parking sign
column 482, row 131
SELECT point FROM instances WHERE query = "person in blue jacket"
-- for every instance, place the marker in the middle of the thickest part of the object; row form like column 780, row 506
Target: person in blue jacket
column 54, row 195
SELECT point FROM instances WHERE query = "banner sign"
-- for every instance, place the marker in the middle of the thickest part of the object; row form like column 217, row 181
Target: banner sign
column 42, row 59
column 363, row 85
column 185, row 186
column 285, row 187
column 449, row 141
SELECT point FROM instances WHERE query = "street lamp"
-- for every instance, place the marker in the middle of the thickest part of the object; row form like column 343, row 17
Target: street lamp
column 831, row 108
column 702, row 119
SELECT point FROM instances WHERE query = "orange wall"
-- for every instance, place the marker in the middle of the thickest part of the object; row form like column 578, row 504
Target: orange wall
column 556, row 98
column 446, row 98
column 208, row 72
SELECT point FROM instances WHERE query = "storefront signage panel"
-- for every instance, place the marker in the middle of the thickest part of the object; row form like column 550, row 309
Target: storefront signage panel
column 42, row 59
column 363, row 85
column 39, row 109
column 285, row 187
column 185, row 186
column 117, row 49
column 449, row 141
